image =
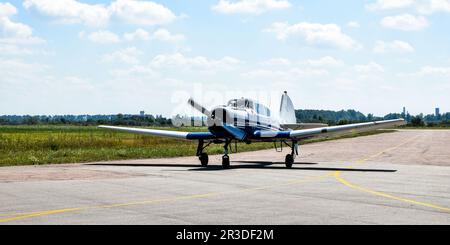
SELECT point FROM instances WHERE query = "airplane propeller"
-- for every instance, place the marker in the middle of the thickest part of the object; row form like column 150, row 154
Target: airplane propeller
column 199, row 107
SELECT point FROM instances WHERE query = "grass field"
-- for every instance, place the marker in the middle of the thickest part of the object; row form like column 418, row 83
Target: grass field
column 28, row 145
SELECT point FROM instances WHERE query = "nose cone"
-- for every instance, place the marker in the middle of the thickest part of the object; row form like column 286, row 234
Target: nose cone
column 219, row 116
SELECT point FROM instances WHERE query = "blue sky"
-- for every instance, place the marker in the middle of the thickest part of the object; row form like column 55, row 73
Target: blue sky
column 122, row 56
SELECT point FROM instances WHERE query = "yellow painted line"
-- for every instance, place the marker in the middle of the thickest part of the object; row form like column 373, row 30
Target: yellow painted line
column 67, row 210
column 337, row 175
column 20, row 216
column 361, row 161
column 16, row 214
column 382, row 194
column 36, row 214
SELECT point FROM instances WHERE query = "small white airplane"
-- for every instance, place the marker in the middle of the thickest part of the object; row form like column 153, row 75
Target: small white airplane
column 248, row 121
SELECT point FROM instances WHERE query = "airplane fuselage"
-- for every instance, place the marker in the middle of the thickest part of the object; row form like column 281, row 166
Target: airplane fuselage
column 240, row 123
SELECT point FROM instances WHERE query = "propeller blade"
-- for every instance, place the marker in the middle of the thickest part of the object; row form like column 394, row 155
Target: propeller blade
column 199, row 107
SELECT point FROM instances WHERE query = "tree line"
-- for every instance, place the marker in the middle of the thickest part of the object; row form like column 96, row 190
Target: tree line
column 307, row 116
column 351, row 116
column 87, row 120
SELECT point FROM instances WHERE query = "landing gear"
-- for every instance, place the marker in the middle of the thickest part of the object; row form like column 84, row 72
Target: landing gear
column 225, row 157
column 204, row 159
column 202, row 156
column 225, row 161
column 290, row 158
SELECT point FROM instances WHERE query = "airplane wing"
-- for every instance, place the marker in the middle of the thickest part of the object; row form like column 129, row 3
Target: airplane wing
column 298, row 126
column 163, row 133
column 324, row 131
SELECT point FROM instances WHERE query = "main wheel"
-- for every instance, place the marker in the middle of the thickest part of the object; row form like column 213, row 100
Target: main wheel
column 226, row 161
column 289, row 160
column 204, row 159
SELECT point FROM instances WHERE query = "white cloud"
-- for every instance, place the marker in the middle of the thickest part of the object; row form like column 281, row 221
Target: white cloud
column 353, row 24
column 11, row 66
column 389, row 4
column 102, row 37
column 395, row 46
column 325, row 61
column 71, row 11
column 425, row 7
column 132, row 11
column 432, row 6
column 371, row 67
column 138, row 35
column 198, row 62
column 14, row 29
column 142, row 12
column 128, row 55
column 7, row 9
column 289, row 76
column 16, row 75
column 11, row 49
column 165, row 36
column 14, row 32
column 405, row 22
column 435, row 71
column 161, row 34
column 250, row 6
column 276, row 62
column 329, row 35
column 137, row 71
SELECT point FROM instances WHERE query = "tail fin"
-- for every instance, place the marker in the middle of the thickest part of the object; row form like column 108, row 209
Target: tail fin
column 287, row 111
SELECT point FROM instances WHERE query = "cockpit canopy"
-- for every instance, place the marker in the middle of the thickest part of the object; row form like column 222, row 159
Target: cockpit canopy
column 249, row 104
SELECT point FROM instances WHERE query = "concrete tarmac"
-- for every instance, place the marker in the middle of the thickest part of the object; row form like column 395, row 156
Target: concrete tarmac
column 392, row 178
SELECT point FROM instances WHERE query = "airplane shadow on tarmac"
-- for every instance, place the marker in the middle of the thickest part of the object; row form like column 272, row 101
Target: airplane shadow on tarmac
column 245, row 165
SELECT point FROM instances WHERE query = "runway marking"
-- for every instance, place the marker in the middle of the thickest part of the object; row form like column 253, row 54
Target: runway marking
column 382, row 194
column 338, row 177
column 36, row 214
column 67, row 210
column 20, row 216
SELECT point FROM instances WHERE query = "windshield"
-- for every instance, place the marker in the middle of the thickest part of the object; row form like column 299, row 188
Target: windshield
column 241, row 103
column 232, row 103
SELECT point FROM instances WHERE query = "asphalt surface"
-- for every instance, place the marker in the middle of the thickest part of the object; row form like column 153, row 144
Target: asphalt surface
column 393, row 178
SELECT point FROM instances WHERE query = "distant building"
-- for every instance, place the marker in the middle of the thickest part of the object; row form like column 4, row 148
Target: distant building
column 438, row 113
column 142, row 113
column 404, row 112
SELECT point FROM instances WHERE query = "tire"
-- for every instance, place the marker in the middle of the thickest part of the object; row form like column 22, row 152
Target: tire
column 289, row 161
column 204, row 159
column 226, row 162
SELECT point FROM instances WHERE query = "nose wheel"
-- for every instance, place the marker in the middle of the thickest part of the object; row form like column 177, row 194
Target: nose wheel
column 225, row 157
column 225, row 161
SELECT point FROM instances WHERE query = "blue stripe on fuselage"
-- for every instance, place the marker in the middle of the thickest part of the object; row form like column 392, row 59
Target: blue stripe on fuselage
column 217, row 132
